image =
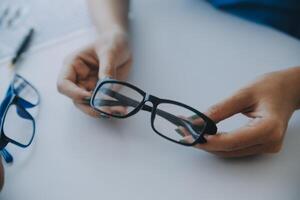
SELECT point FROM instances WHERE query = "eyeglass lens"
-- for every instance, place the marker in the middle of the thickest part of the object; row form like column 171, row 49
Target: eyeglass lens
column 183, row 128
column 25, row 90
column 116, row 99
column 18, row 125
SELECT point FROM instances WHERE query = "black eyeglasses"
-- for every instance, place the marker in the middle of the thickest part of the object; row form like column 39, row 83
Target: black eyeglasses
column 172, row 120
column 17, row 124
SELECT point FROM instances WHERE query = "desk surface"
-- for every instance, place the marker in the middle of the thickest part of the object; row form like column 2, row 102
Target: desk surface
column 180, row 47
column 45, row 17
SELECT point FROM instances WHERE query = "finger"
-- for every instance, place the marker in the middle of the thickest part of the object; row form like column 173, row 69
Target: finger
column 71, row 90
column 87, row 109
column 183, row 132
column 250, row 151
column 238, row 102
column 187, row 139
column 196, row 120
column 114, row 110
column 89, row 57
column 254, row 150
column 88, row 84
column 66, row 84
column 122, row 70
column 119, row 110
column 252, row 134
column 81, row 69
column 107, row 67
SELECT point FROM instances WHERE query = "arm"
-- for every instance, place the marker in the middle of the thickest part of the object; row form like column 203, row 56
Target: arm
column 109, row 14
column 111, row 20
column 109, row 55
column 269, row 103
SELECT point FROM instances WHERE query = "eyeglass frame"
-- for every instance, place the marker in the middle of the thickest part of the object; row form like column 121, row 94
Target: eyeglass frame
column 210, row 126
column 12, row 98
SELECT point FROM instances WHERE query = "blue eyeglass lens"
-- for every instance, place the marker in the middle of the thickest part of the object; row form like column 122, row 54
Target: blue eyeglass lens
column 17, row 125
column 25, row 90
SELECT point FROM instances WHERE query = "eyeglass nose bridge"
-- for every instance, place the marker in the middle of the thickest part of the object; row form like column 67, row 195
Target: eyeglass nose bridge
column 153, row 99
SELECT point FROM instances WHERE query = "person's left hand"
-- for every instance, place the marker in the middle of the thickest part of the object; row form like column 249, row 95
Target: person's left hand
column 269, row 102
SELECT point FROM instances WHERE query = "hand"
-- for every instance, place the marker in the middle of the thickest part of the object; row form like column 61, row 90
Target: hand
column 109, row 56
column 269, row 102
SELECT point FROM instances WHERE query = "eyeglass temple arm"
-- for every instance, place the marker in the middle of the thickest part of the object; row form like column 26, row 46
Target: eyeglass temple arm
column 7, row 156
column 126, row 101
column 171, row 118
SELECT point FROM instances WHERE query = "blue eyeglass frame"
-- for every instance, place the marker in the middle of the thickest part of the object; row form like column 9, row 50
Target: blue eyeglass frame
column 12, row 98
column 209, row 126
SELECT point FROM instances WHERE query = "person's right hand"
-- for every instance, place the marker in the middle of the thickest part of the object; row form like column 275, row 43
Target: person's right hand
column 110, row 56
column 269, row 103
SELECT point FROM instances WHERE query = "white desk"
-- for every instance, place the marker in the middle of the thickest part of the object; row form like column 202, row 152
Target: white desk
column 184, row 50
column 50, row 19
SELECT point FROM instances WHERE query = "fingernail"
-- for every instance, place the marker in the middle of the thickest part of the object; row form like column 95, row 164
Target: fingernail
column 206, row 136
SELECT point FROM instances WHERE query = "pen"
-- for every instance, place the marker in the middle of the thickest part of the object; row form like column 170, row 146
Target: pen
column 3, row 15
column 23, row 47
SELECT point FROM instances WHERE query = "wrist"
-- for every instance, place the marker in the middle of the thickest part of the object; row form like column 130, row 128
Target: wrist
column 114, row 32
column 113, row 29
column 293, row 79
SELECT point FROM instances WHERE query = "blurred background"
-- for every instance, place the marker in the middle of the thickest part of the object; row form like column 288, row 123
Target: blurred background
column 52, row 21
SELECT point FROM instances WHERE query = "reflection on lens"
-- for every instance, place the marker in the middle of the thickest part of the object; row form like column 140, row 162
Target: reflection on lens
column 178, row 123
column 25, row 90
column 17, row 126
column 116, row 99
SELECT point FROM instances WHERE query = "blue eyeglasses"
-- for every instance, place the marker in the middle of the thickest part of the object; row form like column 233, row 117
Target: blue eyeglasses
column 17, row 123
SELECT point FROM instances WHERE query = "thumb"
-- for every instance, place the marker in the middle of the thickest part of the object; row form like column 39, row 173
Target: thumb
column 106, row 65
column 236, row 103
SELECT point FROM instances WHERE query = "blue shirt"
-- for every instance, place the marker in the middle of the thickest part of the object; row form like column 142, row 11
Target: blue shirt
column 280, row 14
